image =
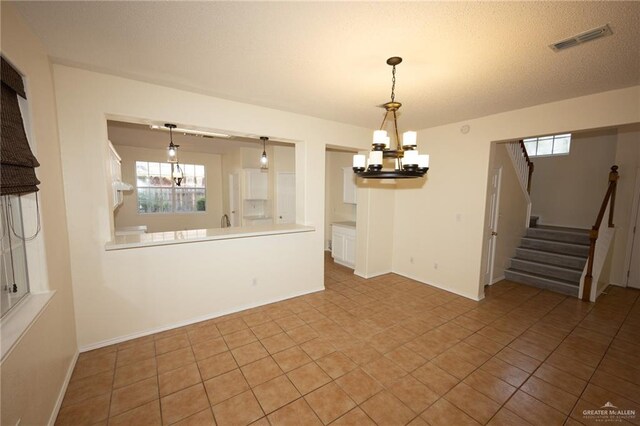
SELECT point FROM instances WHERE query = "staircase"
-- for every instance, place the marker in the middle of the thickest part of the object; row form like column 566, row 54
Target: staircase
column 552, row 258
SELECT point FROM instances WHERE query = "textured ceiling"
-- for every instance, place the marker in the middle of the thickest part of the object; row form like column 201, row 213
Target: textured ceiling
column 327, row 59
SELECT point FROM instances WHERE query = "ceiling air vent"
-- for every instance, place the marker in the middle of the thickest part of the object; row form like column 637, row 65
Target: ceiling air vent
column 582, row 38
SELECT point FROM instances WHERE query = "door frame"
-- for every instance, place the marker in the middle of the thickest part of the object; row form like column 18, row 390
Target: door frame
column 635, row 214
column 493, row 225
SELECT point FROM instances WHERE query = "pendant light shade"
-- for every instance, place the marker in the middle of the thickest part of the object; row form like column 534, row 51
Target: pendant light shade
column 264, row 161
column 172, row 149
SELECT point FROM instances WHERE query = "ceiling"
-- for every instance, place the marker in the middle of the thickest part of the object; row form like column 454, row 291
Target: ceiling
column 462, row 60
column 143, row 136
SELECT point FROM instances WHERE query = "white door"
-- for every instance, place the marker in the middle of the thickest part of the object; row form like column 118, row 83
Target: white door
column 286, row 197
column 234, row 199
column 633, row 278
column 494, row 199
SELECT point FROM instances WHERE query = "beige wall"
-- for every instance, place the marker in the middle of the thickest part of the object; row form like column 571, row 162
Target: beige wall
column 567, row 190
column 336, row 210
column 512, row 213
column 443, row 221
column 33, row 373
column 628, row 161
column 127, row 213
column 119, row 294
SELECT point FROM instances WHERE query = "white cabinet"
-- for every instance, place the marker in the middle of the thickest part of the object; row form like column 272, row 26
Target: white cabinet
column 349, row 188
column 343, row 244
column 116, row 175
column 255, row 184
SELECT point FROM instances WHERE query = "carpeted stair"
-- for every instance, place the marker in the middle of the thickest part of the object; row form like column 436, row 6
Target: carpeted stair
column 551, row 257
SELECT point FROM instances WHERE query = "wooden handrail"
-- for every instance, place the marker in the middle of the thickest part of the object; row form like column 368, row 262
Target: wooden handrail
column 529, row 164
column 609, row 197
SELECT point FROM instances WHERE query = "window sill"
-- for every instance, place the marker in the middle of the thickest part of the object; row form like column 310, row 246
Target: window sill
column 19, row 320
column 122, row 242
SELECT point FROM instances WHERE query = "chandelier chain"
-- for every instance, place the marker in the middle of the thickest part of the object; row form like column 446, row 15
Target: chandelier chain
column 393, row 84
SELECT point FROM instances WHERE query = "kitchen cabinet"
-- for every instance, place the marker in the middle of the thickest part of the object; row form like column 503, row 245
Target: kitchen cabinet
column 349, row 187
column 255, row 184
column 115, row 171
column 343, row 243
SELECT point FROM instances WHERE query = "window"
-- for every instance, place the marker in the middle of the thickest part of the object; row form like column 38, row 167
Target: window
column 13, row 267
column 548, row 145
column 157, row 192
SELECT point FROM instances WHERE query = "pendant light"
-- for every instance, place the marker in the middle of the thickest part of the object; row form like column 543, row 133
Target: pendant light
column 264, row 161
column 172, row 149
column 176, row 173
column 408, row 162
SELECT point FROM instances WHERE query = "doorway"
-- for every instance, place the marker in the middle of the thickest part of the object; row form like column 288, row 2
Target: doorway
column 234, row 197
column 286, row 197
column 633, row 270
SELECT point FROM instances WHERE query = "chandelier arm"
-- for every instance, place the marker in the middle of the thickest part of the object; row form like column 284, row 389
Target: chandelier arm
column 384, row 119
column 395, row 124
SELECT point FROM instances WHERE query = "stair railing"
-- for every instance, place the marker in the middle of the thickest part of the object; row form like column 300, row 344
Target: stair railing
column 524, row 170
column 609, row 202
column 522, row 163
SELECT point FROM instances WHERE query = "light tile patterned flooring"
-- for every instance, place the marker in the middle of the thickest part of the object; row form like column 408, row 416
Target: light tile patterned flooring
column 382, row 351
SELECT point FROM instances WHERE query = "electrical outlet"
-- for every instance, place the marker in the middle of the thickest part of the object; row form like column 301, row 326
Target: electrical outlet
column 254, row 282
column 435, row 265
column 411, row 260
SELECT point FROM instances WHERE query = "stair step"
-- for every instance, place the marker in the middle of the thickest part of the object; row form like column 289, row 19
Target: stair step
column 566, row 274
column 555, row 246
column 540, row 281
column 567, row 261
column 566, row 235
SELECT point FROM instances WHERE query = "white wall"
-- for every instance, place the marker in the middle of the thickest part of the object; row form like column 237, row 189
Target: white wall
column 336, row 210
column 123, row 293
column 127, row 213
column 443, row 221
column 512, row 212
column 33, row 373
column 567, row 190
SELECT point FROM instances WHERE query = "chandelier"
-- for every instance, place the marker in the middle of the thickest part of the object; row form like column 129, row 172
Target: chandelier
column 408, row 163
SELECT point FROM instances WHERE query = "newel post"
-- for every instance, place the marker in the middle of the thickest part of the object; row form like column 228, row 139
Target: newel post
column 588, row 277
column 613, row 181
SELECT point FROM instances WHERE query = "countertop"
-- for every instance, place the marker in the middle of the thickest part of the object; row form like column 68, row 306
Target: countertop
column 346, row 224
column 121, row 242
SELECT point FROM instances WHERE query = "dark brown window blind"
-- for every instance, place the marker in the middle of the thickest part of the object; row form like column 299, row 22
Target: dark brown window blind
column 17, row 162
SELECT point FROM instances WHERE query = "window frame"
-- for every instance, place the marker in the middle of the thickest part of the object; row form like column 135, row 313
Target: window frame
column 553, row 142
column 173, row 188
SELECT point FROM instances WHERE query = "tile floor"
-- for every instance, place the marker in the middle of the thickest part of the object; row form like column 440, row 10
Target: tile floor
column 382, row 351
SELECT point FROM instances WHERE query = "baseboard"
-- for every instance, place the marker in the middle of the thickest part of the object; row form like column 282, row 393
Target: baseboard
column 63, row 390
column 495, row 280
column 206, row 317
column 373, row 275
column 440, row 286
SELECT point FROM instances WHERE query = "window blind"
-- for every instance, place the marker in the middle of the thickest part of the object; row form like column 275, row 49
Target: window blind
column 17, row 162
